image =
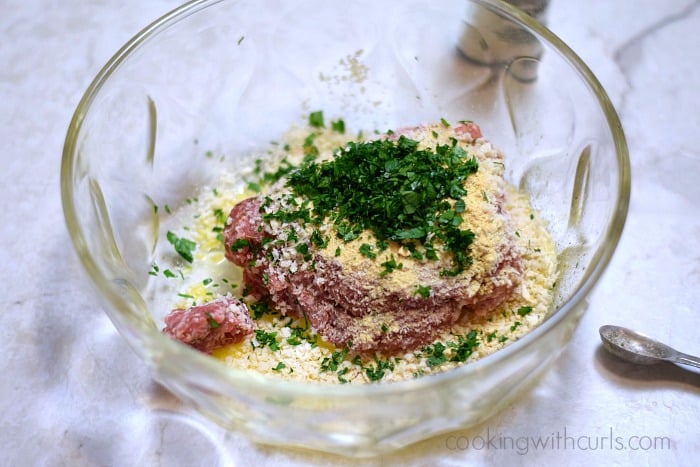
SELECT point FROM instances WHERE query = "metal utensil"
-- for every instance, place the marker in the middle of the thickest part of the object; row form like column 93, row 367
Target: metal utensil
column 638, row 348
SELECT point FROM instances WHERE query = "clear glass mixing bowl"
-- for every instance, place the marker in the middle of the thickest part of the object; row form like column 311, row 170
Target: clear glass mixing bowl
column 231, row 76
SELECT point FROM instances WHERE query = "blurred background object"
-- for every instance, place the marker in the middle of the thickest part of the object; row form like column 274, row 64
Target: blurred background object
column 490, row 39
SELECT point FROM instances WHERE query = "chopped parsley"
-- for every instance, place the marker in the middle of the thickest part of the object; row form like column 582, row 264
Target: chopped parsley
column 259, row 309
column 376, row 372
column 183, row 246
column 267, row 338
column 239, row 244
column 296, row 337
column 463, row 348
column 338, row 126
column 367, row 250
column 398, row 191
column 435, row 354
column 524, row 310
column 333, row 362
column 423, row 291
column 316, row 119
column 390, row 265
column 455, row 351
column 213, row 324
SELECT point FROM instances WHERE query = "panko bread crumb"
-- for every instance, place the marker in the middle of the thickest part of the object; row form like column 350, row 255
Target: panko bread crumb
column 288, row 347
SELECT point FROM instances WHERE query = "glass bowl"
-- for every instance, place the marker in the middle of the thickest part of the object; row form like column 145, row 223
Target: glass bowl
column 215, row 81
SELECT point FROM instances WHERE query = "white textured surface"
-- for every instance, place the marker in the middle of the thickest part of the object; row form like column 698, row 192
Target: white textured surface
column 72, row 393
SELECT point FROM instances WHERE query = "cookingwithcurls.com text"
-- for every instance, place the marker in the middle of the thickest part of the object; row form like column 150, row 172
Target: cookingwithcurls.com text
column 564, row 439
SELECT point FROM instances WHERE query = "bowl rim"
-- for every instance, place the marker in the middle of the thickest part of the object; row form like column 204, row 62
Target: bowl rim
column 167, row 347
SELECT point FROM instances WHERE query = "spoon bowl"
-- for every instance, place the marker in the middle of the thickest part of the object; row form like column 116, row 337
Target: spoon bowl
column 637, row 348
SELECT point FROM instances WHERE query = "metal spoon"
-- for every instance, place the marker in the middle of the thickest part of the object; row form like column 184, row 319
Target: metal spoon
column 638, row 348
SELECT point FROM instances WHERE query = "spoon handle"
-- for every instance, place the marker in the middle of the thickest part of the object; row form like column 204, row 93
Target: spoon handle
column 688, row 359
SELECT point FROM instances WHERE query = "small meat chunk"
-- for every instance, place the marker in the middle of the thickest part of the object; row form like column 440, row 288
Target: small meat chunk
column 210, row 326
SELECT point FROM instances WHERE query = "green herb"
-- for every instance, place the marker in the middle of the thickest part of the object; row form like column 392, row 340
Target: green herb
column 464, row 347
column 490, row 336
column 423, row 291
column 318, row 239
column 502, row 339
column 184, row 295
column 220, row 215
column 280, row 366
column 267, row 338
column 169, row 274
column 389, row 266
column 240, row 40
column 284, row 168
column 515, row 326
column 239, row 244
column 213, row 324
column 435, row 353
column 207, row 281
column 292, row 236
column 219, row 231
column 338, row 126
column 394, row 189
column 316, row 119
column 376, row 372
column 366, row 250
column 384, row 328
column 346, row 232
column 310, row 150
column 341, row 374
column 524, row 310
column 303, row 249
column 183, row 246
column 259, row 308
column 252, row 186
column 333, row 362
column 296, row 337
column 444, row 123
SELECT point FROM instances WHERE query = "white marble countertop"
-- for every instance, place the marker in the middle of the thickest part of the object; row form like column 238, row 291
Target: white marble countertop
column 72, row 392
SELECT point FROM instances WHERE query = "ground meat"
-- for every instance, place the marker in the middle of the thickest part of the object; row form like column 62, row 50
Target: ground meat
column 207, row 327
column 347, row 300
